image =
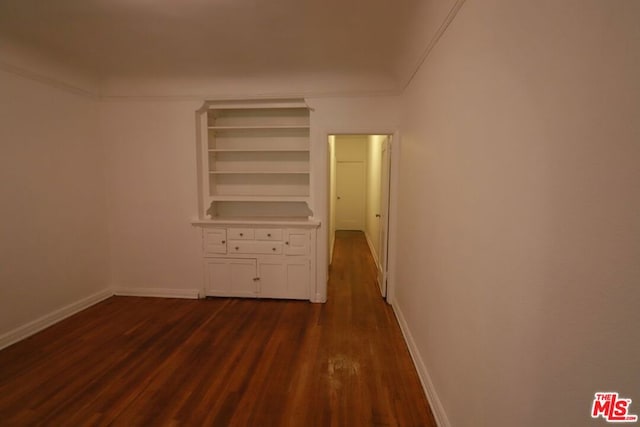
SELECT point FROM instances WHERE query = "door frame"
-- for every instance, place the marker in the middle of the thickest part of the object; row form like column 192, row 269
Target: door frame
column 385, row 188
column 394, row 177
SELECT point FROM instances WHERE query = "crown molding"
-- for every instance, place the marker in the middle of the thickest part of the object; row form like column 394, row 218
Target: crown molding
column 77, row 90
column 453, row 12
column 397, row 90
column 47, row 80
column 255, row 96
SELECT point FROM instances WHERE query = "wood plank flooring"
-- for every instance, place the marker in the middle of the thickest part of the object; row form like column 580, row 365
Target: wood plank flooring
column 222, row 362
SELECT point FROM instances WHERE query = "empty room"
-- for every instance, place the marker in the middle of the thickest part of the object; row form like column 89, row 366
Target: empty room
column 320, row 213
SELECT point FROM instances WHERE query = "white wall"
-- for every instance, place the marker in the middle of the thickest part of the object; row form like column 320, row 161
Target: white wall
column 53, row 240
column 519, row 211
column 152, row 196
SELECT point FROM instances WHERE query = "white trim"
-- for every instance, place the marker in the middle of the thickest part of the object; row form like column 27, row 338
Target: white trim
column 52, row 318
column 453, row 12
column 157, row 292
column 253, row 96
column 298, row 223
column 47, row 80
column 394, row 146
column 372, row 250
column 436, row 406
column 97, row 92
column 374, row 255
column 318, row 299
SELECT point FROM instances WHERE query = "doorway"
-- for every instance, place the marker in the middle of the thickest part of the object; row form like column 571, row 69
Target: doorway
column 359, row 171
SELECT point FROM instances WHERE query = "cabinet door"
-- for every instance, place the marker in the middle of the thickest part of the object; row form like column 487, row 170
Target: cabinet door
column 288, row 279
column 231, row 277
column 273, row 282
column 296, row 242
column 214, row 241
column 298, row 273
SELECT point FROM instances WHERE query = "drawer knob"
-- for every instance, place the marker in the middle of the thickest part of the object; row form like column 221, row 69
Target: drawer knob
column 237, row 247
column 241, row 234
column 273, row 249
column 268, row 234
column 223, row 242
column 286, row 243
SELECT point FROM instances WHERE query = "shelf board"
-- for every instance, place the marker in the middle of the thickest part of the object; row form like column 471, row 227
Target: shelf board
column 257, row 150
column 299, row 221
column 259, row 172
column 259, row 127
column 250, row 198
column 266, row 104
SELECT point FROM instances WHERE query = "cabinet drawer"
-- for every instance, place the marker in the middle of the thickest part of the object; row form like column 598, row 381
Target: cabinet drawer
column 268, row 234
column 242, row 247
column 240, row 233
column 215, row 241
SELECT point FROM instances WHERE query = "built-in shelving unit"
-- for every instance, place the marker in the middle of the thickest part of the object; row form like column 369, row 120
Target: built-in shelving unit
column 254, row 168
column 255, row 159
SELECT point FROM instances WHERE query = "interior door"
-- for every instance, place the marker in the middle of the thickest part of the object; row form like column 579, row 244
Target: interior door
column 350, row 195
column 385, row 160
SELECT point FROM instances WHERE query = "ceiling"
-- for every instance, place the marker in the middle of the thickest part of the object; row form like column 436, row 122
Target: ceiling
column 213, row 38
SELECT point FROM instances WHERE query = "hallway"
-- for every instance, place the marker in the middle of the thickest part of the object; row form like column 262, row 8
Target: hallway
column 362, row 339
column 223, row 362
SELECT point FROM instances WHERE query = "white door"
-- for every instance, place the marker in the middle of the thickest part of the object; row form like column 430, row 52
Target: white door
column 385, row 160
column 350, row 195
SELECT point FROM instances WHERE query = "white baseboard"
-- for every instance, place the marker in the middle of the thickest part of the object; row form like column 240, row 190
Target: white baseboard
column 47, row 320
column 157, row 292
column 318, row 299
column 372, row 250
column 436, row 406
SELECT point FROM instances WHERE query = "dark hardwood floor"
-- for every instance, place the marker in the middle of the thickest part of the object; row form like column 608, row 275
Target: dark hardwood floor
column 222, row 362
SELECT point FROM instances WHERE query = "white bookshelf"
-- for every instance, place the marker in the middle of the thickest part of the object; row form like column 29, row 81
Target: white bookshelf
column 254, row 159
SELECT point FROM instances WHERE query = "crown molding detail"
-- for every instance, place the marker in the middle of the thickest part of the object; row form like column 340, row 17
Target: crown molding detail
column 97, row 95
column 47, row 80
column 433, row 42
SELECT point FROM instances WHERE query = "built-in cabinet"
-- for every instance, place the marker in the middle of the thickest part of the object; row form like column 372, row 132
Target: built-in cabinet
column 254, row 168
column 259, row 261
